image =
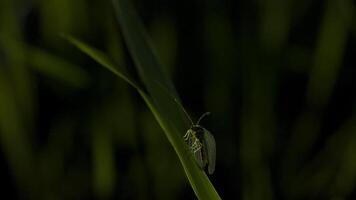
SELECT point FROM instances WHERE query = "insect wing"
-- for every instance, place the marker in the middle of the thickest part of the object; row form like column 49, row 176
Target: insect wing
column 198, row 155
column 210, row 146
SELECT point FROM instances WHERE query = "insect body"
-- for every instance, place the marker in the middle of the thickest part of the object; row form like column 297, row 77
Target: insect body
column 202, row 144
column 200, row 141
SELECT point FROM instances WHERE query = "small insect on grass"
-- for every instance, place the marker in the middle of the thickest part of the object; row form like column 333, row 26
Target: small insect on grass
column 200, row 141
column 202, row 144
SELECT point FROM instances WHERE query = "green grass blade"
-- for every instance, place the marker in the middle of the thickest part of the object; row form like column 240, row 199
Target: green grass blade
column 165, row 109
column 104, row 60
column 198, row 179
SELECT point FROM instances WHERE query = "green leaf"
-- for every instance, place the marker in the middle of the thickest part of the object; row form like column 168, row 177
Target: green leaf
column 168, row 114
column 163, row 106
column 104, row 60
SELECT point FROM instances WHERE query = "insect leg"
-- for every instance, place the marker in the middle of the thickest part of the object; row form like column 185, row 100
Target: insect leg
column 196, row 146
column 187, row 135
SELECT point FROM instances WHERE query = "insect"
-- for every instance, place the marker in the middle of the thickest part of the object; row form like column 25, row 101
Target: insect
column 200, row 141
column 202, row 144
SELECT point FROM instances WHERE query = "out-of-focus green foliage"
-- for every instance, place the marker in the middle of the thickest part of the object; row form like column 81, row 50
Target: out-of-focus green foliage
column 278, row 77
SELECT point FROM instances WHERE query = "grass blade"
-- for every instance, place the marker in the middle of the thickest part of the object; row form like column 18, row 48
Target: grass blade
column 168, row 111
column 104, row 60
column 164, row 108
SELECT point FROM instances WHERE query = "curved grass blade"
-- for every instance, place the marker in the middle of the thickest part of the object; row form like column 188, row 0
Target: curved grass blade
column 104, row 60
column 198, row 179
column 166, row 111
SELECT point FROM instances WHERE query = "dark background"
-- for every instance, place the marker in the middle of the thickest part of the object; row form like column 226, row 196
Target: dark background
column 278, row 76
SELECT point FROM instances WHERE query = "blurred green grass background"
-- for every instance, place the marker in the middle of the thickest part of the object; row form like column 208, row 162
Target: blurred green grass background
column 278, row 76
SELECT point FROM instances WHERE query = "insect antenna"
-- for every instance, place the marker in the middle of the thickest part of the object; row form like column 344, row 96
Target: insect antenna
column 177, row 101
column 205, row 114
